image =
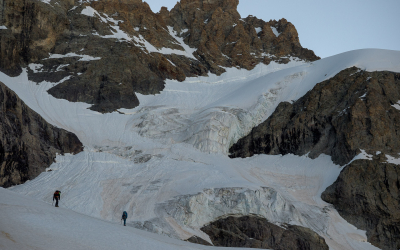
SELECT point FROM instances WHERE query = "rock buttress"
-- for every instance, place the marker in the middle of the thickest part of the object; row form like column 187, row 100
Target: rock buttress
column 367, row 194
column 28, row 144
column 257, row 232
column 338, row 117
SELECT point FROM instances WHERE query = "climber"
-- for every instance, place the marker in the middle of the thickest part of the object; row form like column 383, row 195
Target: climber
column 57, row 196
column 124, row 217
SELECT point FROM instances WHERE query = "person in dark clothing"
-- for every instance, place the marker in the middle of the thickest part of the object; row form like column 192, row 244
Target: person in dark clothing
column 57, row 196
column 124, row 217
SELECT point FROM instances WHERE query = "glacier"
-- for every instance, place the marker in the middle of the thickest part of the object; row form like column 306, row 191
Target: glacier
column 166, row 161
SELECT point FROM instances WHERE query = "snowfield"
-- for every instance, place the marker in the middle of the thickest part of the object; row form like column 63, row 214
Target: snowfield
column 26, row 224
column 165, row 162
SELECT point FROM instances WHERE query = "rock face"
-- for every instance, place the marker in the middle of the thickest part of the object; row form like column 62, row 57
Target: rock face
column 32, row 31
column 224, row 39
column 103, row 52
column 257, row 232
column 353, row 110
column 367, row 195
column 198, row 240
column 28, row 144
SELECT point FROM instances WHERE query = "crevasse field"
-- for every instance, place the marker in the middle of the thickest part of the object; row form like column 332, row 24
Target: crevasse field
column 166, row 163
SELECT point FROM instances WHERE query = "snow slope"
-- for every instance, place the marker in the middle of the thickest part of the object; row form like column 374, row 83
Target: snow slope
column 27, row 224
column 166, row 163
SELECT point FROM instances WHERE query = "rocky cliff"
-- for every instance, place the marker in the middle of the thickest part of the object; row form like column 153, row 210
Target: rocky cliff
column 352, row 111
column 367, row 195
column 223, row 38
column 28, row 144
column 257, row 232
column 103, row 52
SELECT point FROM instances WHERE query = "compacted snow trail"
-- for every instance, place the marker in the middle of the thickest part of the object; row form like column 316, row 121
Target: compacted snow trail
column 166, row 163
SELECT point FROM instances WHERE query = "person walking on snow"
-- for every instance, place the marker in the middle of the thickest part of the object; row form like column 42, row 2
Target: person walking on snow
column 57, row 196
column 124, row 217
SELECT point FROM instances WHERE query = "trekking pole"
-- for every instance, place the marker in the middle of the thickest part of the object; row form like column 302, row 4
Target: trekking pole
column 52, row 203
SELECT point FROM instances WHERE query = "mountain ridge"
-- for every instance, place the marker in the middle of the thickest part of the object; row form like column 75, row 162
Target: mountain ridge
column 125, row 43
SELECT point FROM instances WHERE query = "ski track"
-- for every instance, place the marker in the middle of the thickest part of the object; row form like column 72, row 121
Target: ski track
column 174, row 147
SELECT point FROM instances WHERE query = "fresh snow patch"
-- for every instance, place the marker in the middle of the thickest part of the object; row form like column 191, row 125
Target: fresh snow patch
column 36, row 68
column 396, row 105
column 3, row 27
column 83, row 57
column 258, row 30
column 60, row 67
column 62, row 80
column 275, row 31
column 85, row 1
column 391, row 159
column 363, row 96
column 46, row 1
column 171, row 62
column 146, row 46
column 362, row 156
column 117, row 34
column 225, row 56
column 188, row 51
column 73, row 8
column 89, row 11
column 114, row 27
column 263, row 54
column 52, row 56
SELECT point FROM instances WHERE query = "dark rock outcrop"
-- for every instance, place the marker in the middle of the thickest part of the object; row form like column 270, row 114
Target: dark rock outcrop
column 119, row 68
column 338, row 117
column 28, row 144
column 367, row 194
column 198, row 240
column 256, row 232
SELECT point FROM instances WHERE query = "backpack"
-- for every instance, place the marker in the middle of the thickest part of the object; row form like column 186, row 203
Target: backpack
column 124, row 215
